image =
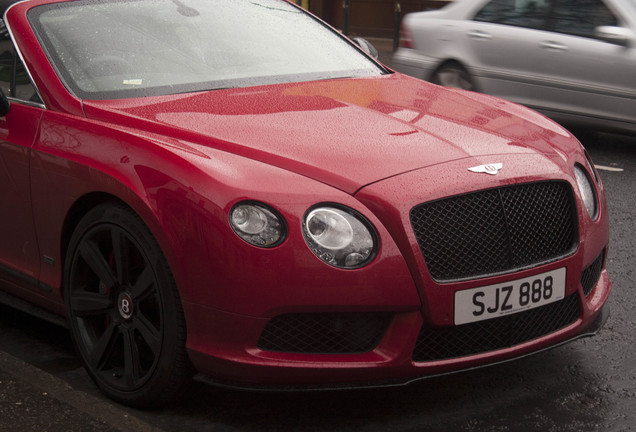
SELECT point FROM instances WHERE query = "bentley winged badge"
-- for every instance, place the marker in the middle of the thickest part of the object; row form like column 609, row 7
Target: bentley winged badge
column 492, row 169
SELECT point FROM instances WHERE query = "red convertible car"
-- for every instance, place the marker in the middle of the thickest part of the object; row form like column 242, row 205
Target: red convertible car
column 234, row 191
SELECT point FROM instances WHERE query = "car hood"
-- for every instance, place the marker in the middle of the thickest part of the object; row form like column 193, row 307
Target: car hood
column 347, row 133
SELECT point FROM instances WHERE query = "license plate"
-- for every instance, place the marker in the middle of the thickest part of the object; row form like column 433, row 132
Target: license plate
column 477, row 304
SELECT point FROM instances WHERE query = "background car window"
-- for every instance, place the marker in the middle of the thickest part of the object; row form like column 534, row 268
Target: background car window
column 521, row 13
column 14, row 79
column 581, row 17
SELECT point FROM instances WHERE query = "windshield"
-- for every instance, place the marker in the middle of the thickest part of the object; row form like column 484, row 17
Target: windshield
column 132, row 48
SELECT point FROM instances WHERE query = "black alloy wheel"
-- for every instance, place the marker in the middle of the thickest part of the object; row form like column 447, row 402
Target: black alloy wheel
column 124, row 310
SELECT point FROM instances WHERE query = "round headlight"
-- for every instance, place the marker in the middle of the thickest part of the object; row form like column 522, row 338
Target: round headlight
column 586, row 188
column 257, row 224
column 340, row 238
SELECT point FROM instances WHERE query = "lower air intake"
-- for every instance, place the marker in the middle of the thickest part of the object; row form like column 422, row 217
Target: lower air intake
column 324, row 333
column 498, row 333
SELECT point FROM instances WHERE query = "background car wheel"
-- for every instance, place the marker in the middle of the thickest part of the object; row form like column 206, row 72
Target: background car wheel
column 453, row 75
column 123, row 308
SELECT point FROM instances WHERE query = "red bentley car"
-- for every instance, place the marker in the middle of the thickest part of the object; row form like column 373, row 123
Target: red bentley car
column 234, row 191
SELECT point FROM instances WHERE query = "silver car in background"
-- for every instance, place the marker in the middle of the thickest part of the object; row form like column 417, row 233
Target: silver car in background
column 573, row 60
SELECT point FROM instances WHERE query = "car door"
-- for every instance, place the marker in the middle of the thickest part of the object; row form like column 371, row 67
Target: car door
column 503, row 38
column 19, row 255
column 587, row 75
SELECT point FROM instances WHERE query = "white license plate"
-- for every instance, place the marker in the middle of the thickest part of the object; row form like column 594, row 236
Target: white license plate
column 477, row 304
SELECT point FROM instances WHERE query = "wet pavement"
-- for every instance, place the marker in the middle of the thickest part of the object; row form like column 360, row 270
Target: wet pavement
column 25, row 406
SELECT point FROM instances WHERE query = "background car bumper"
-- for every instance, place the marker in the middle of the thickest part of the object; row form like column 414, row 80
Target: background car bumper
column 411, row 62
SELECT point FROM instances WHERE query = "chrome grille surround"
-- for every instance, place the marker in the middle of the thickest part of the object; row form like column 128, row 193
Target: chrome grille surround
column 496, row 231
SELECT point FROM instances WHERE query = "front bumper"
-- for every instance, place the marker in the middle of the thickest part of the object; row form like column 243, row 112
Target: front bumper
column 231, row 357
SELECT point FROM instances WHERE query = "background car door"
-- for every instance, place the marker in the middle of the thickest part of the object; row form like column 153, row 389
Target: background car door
column 504, row 37
column 585, row 73
column 19, row 256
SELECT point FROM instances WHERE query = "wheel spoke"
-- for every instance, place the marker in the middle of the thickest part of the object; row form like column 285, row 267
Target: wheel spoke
column 149, row 333
column 98, row 264
column 121, row 252
column 101, row 349
column 132, row 365
column 85, row 303
column 144, row 285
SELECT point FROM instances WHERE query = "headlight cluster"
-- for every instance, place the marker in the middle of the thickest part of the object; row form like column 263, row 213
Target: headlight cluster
column 337, row 235
column 587, row 190
column 257, row 224
column 340, row 238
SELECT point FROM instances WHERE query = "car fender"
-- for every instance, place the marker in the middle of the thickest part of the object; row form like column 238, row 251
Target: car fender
column 184, row 192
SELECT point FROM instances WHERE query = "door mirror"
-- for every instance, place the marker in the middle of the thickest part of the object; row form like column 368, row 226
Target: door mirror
column 616, row 35
column 367, row 47
column 5, row 105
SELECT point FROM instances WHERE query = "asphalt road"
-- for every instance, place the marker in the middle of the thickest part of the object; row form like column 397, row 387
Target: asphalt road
column 588, row 385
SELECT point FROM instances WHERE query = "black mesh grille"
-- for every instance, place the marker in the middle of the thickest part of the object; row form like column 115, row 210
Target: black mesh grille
column 591, row 275
column 496, row 230
column 458, row 341
column 328, row 333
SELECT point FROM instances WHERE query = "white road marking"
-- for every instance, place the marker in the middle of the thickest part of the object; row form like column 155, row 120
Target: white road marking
column 607, row 168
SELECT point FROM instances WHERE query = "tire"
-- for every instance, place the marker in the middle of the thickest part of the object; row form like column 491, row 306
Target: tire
column 453, row 75
column 124, row 310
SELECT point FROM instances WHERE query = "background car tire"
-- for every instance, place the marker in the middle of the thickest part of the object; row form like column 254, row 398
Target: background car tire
column 453, row 75
column 124, row 310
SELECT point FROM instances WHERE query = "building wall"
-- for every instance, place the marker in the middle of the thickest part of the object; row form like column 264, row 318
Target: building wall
column 370, row 18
